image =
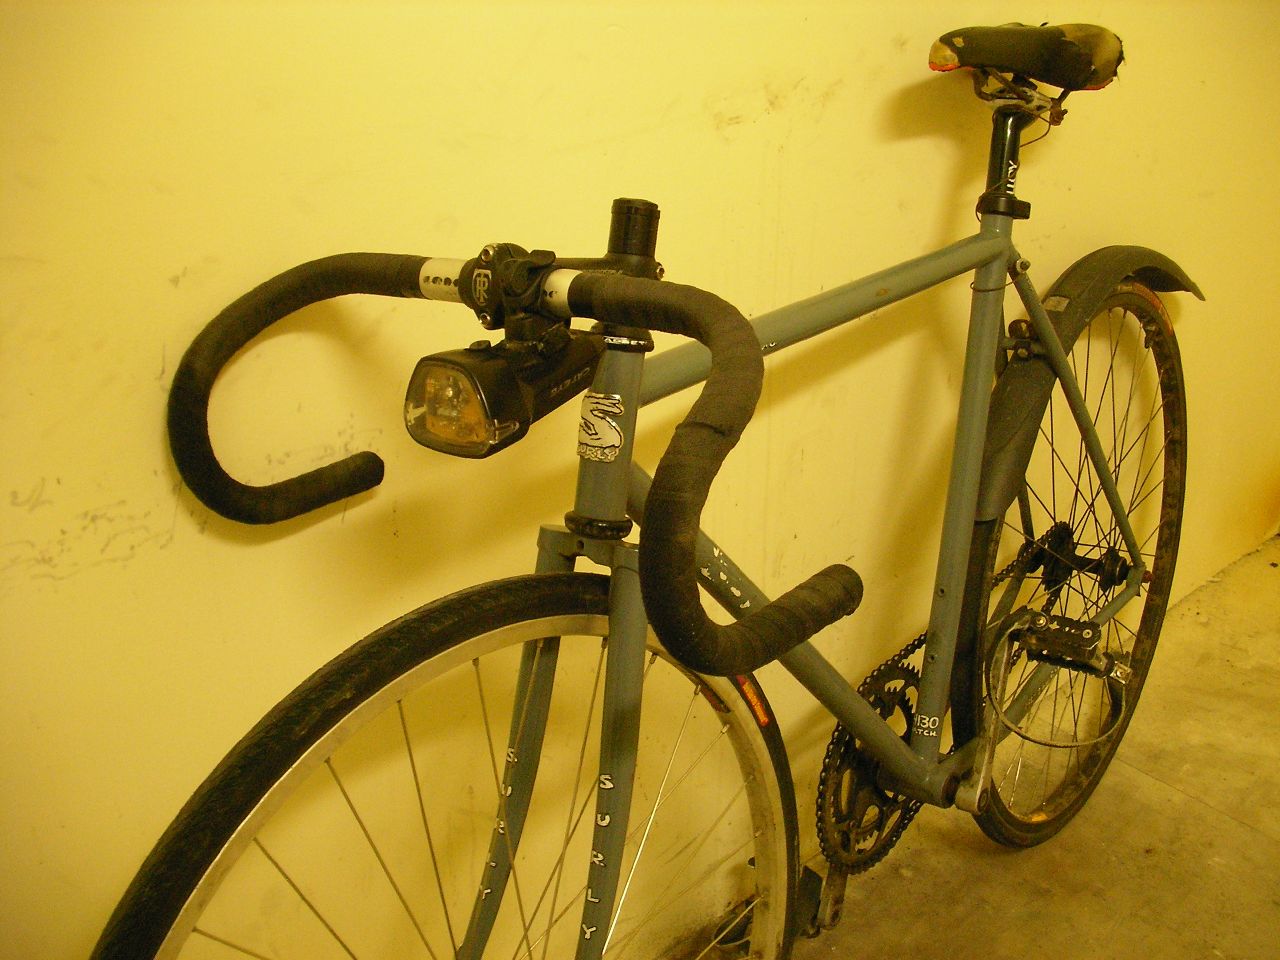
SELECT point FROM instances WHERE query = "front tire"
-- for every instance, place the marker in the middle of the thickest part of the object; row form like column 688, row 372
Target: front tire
column 355, row 819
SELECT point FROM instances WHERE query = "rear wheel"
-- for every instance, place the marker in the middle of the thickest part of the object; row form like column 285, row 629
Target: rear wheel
column 1059, row 558
column 357, row 819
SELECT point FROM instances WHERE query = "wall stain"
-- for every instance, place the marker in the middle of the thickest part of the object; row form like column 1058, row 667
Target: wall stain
column 32, row 500
column 802, row 96
column 110, row 533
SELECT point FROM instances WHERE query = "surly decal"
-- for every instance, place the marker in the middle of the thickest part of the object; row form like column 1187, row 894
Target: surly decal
column 599, row 436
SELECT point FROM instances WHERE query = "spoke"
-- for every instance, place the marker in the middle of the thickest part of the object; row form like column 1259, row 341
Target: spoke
column 1055, row 455
column 555, row 917
column 386, row 871
column 1048, row 511
column 1054, row 713
column 1156, row 488
column 676, row 896
column 572, row 822
column 552, row 877
column 635, row 862
column 1052, row 510
column 426, row 828
column 1145, row 436
column 501, row 794
column 1087, row 507
column 1082, row 453
column 234, row 946
column 726, row 927
column 1140, row 482
column 653, row 658
column 1150, row 554
column 304, row 898
column 1075, row 699
column 1123, row 428
column 1107, row 380
column 1100, row 535
column 1014, row 767
column 688, row 771
column 1115, row 418
column 1157, row 410
column 1125, row 627
column 631, row 835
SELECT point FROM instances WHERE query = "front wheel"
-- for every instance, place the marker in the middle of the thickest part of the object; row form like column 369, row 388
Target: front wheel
column 1057, row 557
column 361, row 817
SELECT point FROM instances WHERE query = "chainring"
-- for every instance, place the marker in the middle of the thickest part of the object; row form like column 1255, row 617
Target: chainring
column 858, row 820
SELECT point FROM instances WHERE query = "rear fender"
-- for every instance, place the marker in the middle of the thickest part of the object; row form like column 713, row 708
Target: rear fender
column 1023, row 389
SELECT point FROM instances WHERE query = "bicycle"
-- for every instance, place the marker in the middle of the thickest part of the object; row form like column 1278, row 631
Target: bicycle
column 479, row 777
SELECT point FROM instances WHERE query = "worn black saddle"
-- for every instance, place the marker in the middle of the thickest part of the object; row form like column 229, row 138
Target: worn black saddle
column 1074, row 56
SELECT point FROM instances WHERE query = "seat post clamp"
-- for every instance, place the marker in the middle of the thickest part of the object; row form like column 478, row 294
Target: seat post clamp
column 1004, row 204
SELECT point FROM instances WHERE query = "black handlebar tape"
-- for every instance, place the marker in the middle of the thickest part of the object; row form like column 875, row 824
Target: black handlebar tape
column 392, row 275
column 682, row 480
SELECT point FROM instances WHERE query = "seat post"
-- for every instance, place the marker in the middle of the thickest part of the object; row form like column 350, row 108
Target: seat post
column 1007, row 124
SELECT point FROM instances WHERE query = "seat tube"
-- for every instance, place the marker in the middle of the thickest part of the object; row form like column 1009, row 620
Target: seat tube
column 962, row 496
column 999, row 207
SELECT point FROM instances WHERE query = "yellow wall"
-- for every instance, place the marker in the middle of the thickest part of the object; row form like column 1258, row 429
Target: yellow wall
column 159, row 159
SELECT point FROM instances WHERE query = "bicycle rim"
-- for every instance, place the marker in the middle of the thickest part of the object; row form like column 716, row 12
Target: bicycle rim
column 1059, row 551
column 370, row 837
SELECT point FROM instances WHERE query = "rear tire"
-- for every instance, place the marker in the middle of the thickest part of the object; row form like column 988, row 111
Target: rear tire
column 355, row 819
column 1058, row 550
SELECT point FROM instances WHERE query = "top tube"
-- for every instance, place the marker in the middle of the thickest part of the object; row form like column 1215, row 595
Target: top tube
column 683, row 366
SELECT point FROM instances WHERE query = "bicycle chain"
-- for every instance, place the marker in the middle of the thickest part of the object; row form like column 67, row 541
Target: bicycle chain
column 858, row 821
column 848, row 780
column 1022, row 556
column 1023, row 560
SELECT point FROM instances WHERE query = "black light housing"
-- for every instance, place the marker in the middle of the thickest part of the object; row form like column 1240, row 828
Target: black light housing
column 477, row 401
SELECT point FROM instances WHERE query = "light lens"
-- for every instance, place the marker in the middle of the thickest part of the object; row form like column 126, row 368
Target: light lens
column 454, row 410
column 446, row 409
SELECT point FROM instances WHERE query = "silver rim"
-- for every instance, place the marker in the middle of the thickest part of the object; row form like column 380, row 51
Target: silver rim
column 371, row 845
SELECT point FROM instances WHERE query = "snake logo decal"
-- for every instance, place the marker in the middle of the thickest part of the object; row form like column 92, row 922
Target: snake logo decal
column 599, row 436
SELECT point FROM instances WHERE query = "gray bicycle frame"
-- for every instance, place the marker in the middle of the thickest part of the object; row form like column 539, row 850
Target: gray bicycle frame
column 915, row 767
column 614, row 490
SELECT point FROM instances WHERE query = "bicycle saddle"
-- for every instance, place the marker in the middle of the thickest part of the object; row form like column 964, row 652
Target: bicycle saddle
column 1074, row 56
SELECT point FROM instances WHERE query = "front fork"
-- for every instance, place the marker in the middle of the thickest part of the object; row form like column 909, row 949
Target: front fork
column 620, row 727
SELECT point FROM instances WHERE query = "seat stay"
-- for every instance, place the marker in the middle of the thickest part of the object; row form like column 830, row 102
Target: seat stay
column 1083, row 416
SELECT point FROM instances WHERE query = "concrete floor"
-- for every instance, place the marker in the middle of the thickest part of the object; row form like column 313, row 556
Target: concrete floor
column 1177, row 855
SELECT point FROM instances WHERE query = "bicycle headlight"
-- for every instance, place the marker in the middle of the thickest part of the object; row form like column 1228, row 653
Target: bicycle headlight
column 475, row 402
column 465, row 402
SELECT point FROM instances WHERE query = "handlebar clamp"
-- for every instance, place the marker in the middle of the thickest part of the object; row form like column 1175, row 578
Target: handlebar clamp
column 503, row 285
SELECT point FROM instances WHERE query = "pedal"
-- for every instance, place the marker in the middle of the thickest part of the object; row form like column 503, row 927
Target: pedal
column 1074, row 644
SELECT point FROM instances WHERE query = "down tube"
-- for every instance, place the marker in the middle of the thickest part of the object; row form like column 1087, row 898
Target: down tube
column 733, row 590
